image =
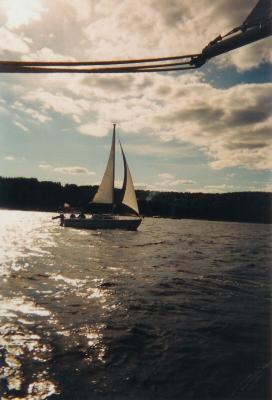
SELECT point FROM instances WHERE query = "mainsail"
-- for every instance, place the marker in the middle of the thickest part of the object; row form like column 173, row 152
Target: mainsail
column 129, row 196
column 105, row 193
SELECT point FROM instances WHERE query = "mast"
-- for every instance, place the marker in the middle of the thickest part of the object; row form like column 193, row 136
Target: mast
column 113, row 141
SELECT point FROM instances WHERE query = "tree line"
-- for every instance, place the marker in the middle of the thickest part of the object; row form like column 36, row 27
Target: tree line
column 31, row 194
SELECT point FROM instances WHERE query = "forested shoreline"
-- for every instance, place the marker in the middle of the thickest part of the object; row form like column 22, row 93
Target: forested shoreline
column 31, row 194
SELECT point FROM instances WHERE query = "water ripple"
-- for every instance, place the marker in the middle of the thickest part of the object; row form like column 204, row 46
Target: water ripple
column 177, row 310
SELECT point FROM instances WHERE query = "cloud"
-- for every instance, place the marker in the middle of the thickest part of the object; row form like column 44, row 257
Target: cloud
column 3, row 106
column 178, row 182
column 165, row 175
column 218, row 187
column 266, row 188
column 169, row 181
column 11, row 42
column 213, row 189
column 70, row 170
column 82, row 8
column 31, row 113
column 46, row 54
column 21, row 126
column 248, row 57
column 231, row 126
column 93, row 129
column 9, row 158
column 73, row 170
column 57, row 102
column 21, row 12
column 46, row 166
column 153, row 149
column 14, row 15
column 110, row 83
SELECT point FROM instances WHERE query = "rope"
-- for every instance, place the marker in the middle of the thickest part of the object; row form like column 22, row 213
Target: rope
column 93, row 71
column 83, row 63
column 115, row 66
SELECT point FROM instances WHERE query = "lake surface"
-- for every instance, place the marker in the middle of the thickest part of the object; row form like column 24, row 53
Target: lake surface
column 178, row 310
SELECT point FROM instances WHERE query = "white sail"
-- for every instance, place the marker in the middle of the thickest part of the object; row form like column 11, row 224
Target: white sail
column 129, row 196
column 105, row 193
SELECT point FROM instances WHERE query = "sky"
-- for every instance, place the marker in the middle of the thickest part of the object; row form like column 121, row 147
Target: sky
column 207, row 130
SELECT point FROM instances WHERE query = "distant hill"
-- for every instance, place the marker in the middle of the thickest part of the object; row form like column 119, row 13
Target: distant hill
column 30, row 194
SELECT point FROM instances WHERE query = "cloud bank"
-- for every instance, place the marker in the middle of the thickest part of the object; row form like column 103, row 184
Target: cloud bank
column 231, row 126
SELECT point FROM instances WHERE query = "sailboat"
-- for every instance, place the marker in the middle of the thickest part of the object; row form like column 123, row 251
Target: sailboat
column 105, row 195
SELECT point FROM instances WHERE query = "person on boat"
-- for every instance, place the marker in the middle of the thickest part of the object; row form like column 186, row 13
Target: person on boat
column 62, row 217
column 82, row 215
column 72, row 216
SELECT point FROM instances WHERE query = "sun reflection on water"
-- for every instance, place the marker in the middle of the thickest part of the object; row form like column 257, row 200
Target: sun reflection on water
column 22, row 238
column 19, row 343
column 56, row 294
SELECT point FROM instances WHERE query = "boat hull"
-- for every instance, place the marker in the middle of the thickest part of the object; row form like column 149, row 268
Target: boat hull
column 130, row 224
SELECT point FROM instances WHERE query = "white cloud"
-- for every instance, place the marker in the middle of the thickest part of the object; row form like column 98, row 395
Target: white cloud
column 73, row 170
column 83, row 8
column 21, row 126
column 57, row 102
column 266, row 188
column 30, row 113
column 11, row 42
column 93, row 129
column 231, row 126
column 165, row 175
column 21, row 12
column 3, row 106
column 218, row 187
column 214, row 189
column 178, row 182
column 153, row 149
column 248, row 57
column 170, row 182
column 69, row 170
column 46, row 54
column 9, row 158
column 46, row 166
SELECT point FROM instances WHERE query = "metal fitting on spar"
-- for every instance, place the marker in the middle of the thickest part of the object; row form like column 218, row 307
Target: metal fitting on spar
column 243, row 38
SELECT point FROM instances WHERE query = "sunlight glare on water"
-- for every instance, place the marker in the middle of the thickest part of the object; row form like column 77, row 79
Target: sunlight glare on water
column 179, row 309
column 21, row 237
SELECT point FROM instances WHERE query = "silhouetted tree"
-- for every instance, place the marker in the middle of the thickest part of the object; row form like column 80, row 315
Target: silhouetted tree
column 30, row 194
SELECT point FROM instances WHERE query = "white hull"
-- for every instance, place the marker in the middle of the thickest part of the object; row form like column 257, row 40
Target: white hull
column 130, row 224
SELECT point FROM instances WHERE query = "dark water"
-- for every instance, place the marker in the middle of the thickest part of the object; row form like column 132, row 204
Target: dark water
column 177, row 310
